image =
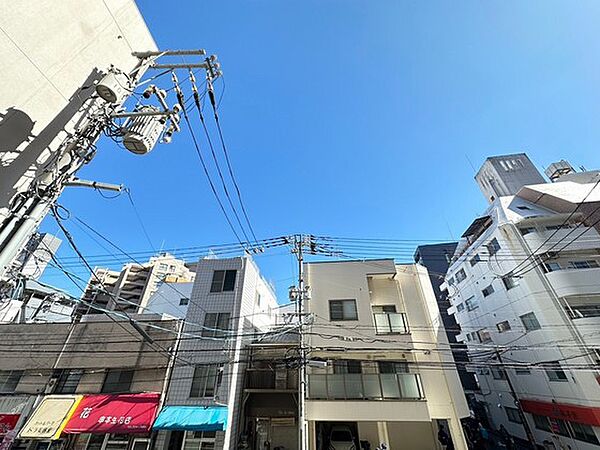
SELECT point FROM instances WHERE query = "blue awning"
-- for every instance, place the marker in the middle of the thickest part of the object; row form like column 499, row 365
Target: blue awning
column 192, row 418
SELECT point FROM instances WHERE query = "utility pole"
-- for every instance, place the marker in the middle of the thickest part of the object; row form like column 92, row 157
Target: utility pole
column 528, row 432
column 104, row 112
column 299, row 294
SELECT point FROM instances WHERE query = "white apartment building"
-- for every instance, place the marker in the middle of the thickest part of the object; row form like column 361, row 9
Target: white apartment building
column 389, row 375
column 131, row 288
column 229, row 307
column 525, row 283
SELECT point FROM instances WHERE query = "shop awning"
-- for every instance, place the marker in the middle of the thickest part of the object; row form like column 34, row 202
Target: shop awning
column 114, row 413
column 192, row 418
column 50, row 417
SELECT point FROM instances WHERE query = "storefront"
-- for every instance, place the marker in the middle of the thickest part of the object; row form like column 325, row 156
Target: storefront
column 192, row 427
column 93, row 422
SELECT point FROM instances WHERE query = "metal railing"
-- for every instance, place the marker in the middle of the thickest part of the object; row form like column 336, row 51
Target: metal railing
column 391, row 323
column 271, row 379
column 365, row 386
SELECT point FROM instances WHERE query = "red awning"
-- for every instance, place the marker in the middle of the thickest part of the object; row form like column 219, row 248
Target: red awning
column 8, row 422
column 589, row 415
column 116, row 413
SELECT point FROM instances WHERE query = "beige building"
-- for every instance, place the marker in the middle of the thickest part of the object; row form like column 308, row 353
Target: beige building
column 95, row 358
column 389, row 375
column 131, row 288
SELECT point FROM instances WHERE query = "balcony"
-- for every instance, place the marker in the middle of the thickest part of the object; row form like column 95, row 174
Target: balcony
column 568, row 282
column 391, row 323
column 384, row 386
column 272, row 380
column 542, row 241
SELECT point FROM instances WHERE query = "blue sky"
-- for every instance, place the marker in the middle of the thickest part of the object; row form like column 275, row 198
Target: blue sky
column 356, row 118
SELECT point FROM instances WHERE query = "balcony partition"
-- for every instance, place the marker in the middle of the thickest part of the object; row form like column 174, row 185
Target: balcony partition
column 365, row 386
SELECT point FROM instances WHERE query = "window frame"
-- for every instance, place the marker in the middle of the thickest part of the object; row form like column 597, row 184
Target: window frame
column 217, row 328
column 505, row 326
column 514, row 416
column 64, row 382
column 128, row 373
column 342, row 317
column 488, row 290
column 460, row 275
column 554, row 370
column 223, row 280
column 475, row 259
column 528, row 319
column 493, row 246
column 510, row 282
column 206, row 380
column 9, row 380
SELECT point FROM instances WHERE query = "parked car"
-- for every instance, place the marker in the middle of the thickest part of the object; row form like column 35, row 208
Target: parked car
column 340, row 438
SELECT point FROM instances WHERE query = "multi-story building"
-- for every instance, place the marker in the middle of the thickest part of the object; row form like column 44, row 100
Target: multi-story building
column 92, row 384
column 230, row 307
column 436, row 259
column 524, row 285
column 130, row 288
column 387, row 374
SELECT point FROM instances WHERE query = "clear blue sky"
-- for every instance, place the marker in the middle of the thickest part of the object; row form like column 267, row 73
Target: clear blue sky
column 357, row 118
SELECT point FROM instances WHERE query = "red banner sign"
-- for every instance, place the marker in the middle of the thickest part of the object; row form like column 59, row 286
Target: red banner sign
column 8, row 422
column 118, row 413
column 575, row 413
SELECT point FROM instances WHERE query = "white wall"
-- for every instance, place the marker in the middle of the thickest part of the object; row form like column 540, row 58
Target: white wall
column 49, row 50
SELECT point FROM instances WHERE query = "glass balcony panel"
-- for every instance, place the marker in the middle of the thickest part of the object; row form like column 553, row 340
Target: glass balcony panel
column 335, row 386
column 381, row 323
column 317, row 388
column 397, row 323
column 409, row 385
column 372, row 386
column 389, row 383
column 354, row 388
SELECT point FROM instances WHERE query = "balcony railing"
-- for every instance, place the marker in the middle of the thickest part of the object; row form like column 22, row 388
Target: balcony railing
column 364, row 386
column 271, row 379
column 391, row 323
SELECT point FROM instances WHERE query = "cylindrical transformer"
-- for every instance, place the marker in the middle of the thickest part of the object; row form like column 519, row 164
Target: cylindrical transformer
column 142, row 132
column 114, row 87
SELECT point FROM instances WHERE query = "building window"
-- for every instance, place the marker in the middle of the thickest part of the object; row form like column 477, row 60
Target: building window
column 162, row 267
column 552, row 266
column 183, row 301
column 488, row 290
column 510, row 282
column 541, row 423
column 388, row 321
column 555, row 372
column 493, row 247
column 117, row 381
column 216, row 324
column 522, row 371
column 588, row 264
column 258, row 300
column 9, row 379
column 513, row 414
column 484, row 336
column 580, row 311
column 526, row 230
column 460, row 275
column 530, row 322
column 450, row 281
column 223, row 281
column 475, row 259
column 503, row 326
column 200, row 440
column 67, row 381
column 206, row 380
column 563, row 226
column 583, row 432
column 342, row 310
column 347, row 366
column 498, row 374
column 471, row 304
column 393, row 367
column 524, row 208
column 460, row 307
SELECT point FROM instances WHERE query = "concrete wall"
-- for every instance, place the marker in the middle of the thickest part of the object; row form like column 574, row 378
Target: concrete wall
column 50, row 50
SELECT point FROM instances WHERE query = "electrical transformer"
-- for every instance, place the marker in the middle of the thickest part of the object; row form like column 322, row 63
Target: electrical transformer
column 142, row 132
column 114, row 87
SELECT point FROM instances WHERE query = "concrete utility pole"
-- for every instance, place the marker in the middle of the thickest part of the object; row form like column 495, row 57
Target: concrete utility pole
column 299, row 294
column 528, row 432
column 104, row 112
